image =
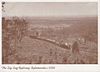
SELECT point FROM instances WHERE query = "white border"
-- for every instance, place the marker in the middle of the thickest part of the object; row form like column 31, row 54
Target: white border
column 98, row 32
column 50, row 0
column 61, row 67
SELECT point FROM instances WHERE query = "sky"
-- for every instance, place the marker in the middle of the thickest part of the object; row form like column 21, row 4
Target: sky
column 50, row 9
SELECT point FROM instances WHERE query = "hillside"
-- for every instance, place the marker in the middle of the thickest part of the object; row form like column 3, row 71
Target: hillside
column 20, row 48
column 30, row 50
column 33, row 51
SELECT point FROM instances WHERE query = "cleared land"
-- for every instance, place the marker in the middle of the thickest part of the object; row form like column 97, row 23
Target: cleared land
column 20, row 48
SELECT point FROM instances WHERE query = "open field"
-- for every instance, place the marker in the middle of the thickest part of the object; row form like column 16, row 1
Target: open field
column 52, row 42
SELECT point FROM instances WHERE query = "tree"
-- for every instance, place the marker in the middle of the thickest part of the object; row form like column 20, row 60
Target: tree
column 13, row 30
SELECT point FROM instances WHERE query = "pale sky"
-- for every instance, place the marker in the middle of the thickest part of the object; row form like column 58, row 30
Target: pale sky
column 50, row 9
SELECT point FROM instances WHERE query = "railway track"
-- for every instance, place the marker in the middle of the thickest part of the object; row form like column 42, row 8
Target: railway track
column 51, row 41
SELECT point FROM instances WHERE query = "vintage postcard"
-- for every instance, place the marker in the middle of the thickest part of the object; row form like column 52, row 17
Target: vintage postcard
column 61, row 33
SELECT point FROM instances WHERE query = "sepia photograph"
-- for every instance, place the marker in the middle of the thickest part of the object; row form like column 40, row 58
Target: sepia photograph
column 49, row 33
